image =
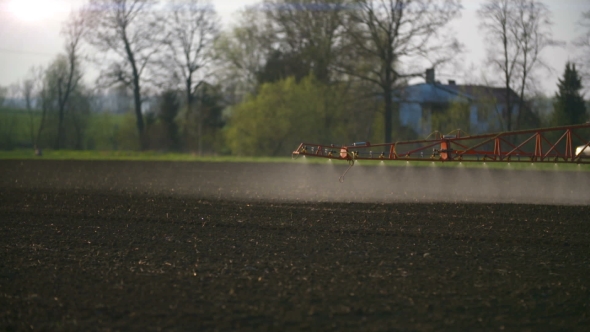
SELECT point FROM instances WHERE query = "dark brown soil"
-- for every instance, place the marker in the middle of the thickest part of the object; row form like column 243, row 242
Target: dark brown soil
column 192, row 246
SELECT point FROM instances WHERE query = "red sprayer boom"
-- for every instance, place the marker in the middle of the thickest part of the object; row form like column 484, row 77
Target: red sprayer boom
column 567, row 144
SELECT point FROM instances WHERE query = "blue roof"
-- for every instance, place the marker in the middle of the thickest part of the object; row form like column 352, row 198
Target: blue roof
column 430, row 93
column 442, row 94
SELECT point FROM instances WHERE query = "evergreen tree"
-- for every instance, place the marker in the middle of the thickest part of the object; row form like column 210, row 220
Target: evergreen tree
column 569, row 106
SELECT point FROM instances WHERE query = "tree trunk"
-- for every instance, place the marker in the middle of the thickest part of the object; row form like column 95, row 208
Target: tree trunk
column 29, row 106
column 61, row 106
column 522, row 87
column 137, row 100
column 508, row 111
column 60, row 131
column 31, row 125
column 388, row 114
column 63, row 97
column 507, row 75
column 138, row 114
column 200, row 108
column 136, row 92
column 519, row 116
column 200, row 132
column 41, row 125
column 388, row 94
column 508, row 108
column 189, row 106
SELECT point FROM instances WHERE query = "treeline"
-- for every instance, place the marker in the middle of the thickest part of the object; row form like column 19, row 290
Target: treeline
column 286, row 71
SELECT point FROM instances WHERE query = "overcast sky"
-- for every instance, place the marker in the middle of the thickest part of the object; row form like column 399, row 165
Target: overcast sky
column 30, row 36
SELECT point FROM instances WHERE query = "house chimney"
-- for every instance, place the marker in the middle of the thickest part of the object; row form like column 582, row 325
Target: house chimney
column 452, row 82
column 430, row 76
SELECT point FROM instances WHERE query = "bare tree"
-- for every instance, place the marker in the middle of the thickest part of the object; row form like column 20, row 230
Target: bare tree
column 68, row 78
column 31, row 88
column 127, row 32
column 583, row 45
column 241, row 53
column 496, row 21
column 192, row 27
column 521, row 29
column 29, row 91
column 533, row 35
column 384, row 34
column 45, row 104
column 312, row 29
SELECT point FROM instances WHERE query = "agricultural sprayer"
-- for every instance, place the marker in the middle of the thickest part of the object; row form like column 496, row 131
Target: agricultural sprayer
column 567, row 144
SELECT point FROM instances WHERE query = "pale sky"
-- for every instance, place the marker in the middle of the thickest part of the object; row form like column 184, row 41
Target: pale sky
column 30, row 36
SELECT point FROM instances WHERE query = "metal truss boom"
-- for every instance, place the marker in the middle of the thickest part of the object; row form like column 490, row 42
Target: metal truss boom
column 566, row 144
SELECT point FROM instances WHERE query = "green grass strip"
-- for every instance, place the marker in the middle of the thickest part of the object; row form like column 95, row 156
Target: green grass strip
column 129, row 155
column 25, row 154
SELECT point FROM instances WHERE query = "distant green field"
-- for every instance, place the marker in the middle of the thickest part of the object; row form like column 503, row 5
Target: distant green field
column 130, row 155
column 187, row 157
column 18, row 128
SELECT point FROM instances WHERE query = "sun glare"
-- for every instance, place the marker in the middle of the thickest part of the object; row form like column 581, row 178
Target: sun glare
column 35, row 10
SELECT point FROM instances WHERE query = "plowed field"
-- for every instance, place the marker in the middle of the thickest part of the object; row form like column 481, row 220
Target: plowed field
column 204, row 246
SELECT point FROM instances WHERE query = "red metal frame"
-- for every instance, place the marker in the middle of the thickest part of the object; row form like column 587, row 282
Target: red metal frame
column 533, row 145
